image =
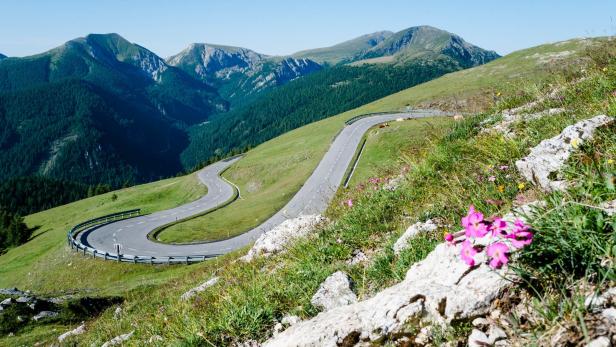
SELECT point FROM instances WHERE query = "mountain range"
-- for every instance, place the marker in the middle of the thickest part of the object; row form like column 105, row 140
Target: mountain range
column 102, row 110
column 2, row 56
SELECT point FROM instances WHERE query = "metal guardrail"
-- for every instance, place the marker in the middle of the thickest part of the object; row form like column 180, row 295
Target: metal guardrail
column 119, row 257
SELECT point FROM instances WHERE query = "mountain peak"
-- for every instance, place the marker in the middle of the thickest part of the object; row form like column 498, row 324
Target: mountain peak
column 344, row 51
column 2, row 56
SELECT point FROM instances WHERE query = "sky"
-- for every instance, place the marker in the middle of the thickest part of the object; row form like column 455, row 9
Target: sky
column 280, row 27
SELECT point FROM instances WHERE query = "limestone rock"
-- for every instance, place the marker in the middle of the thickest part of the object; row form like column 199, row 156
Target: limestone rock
column 118, row 340
column 412, row 231
column 77, row 331
column 6, row 302
column 439, row 289
column 45, row 314
column 550, row 155
column 117, row 313
column 334, row 292
column 602, row 341
column 290, row 320
column 275, row 240
column 358, row 258
column 598, row 301
column 609, row 314
column 478, row 339
column 205, row 285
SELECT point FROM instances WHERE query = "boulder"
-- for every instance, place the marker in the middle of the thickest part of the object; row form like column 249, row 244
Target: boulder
column 439, row 289
column 602, row 341
column 550, row 155
column 45, row 314
column 334, row 292
column 203, row 286
column 478, row 339
column 277, row 239
column 412, row 231
column 118, row 340
column 77, row 331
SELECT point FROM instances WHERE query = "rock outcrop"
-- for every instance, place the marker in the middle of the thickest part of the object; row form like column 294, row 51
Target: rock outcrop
column 77, row 331
column 275, row 240
column 438, row 289
column 412, row 231
column 200, row 288
column 334, row 292
column 550, row 155
column 118, row 340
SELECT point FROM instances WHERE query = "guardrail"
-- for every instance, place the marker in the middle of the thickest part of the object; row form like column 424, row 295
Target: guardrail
column 119, row 257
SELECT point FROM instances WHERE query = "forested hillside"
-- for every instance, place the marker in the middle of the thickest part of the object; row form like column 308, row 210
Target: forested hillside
column 306, row 100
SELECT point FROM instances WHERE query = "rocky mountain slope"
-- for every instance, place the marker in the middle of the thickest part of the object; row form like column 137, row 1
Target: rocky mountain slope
column 346, row 51
column 97, row 109
column 426, row 41
column 240, row 74
column 2, row 56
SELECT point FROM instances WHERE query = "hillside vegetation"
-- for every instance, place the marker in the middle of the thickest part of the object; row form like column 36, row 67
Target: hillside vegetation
column 444, row 177
column 441, row 182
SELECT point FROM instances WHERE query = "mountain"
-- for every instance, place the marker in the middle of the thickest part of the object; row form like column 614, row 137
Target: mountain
column 2, row 56
column 98, row 109
column 426, row 41
column 240, row 74
column 346, row 51
column 400, row 61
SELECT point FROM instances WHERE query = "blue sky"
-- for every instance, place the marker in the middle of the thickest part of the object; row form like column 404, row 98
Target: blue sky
column 282, row 27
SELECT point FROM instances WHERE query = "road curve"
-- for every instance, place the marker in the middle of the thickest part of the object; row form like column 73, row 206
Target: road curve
column 312, row 198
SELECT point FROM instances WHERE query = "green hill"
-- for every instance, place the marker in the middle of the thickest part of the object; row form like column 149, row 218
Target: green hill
column 346, row 51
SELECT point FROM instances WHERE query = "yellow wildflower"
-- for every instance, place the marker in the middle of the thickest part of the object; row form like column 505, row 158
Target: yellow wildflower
column 521, row 185
column 605, row 69
column 501, row 188
column 498, row 94
column 610, row 161
column 575, row 143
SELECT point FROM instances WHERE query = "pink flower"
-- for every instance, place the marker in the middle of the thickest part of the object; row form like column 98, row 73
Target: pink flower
column 449, row 238
column 504, row 167
column 498, row 227
column 468, row 252
column 473, row 223
column 498, row 252
column 349, row 203
column 492, row 178
column 520, row 235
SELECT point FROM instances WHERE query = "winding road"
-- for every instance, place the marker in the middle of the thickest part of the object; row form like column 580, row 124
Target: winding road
column 312, row 198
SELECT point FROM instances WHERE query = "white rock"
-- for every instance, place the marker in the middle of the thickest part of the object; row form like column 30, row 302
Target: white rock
column 290, row 320
column 597, row 301
column 439, row 289
column 478, row 339
column 480, row 322
column 358, row 258
column 602, row 341
column 609, row 314
column 276, row 240
column 45, row 314
column 551, row 154
column 77, row 331
column 496, row 333
column 155, row 338
column 205, row 285
column 117, row 313
column 424, row 336
column 505, row 126
column 334, row 292
column 609, row 207
column 6, row 302
column 118, row 340
column 393, row 183
column 412, row 231
column 24, row 299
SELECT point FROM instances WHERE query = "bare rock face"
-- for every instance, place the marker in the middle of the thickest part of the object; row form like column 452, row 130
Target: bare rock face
column 77, row 331
column 550, row 155
column 118, row 340
column 45, row 314
column 412, row 231
column 200, row 288
column 334, row 292
column 276, row 240
column 438, row 289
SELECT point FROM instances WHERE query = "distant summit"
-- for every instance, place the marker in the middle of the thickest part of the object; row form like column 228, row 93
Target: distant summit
column 2, row 56
column 240, row 74
column 346, row 51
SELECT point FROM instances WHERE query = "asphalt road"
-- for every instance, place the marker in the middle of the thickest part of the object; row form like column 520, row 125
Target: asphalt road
column 312, row 198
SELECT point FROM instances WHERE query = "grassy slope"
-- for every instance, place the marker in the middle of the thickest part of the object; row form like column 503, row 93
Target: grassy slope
column 46, row 264
column 289, row 159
